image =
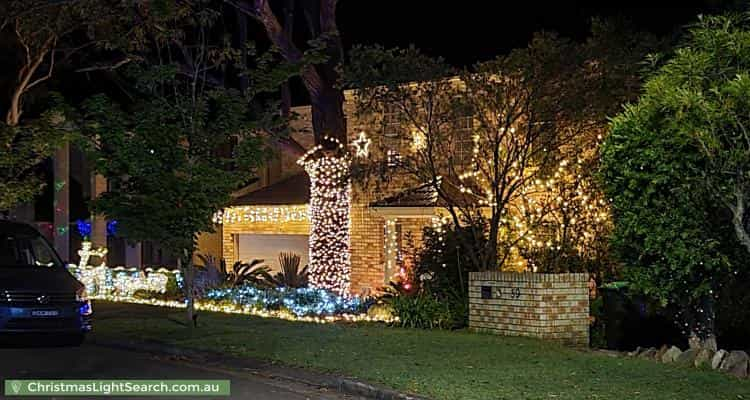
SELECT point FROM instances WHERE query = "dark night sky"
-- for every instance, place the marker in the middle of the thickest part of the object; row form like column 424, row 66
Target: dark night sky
column 467, row 31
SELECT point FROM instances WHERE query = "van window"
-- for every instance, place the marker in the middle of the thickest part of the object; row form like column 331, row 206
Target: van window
column 24, row 250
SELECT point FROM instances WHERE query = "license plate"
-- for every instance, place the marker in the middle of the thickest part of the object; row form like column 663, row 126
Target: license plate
column 45, row 313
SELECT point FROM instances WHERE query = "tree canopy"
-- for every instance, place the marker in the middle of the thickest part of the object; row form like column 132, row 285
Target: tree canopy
column 489, row 139
column 676, row 166
column 182, row 142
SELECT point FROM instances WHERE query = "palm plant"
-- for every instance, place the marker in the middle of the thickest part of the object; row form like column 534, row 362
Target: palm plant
column 290, row 275
column 255, row 273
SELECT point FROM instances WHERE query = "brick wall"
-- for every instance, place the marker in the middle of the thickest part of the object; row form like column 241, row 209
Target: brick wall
column 546, row 306
column 367, row 226
column 366, row 246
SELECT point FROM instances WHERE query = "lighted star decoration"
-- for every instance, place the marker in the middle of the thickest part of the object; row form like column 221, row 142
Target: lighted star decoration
column 362, row 145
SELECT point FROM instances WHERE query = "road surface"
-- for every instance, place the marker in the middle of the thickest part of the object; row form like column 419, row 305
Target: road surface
column 97, row 362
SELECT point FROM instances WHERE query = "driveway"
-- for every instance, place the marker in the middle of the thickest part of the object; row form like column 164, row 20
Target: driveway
column 96, row 362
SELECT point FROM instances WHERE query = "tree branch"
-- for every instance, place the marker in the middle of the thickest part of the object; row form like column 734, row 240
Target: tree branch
column 261, row 11
column 49, row 72
column 106, row 67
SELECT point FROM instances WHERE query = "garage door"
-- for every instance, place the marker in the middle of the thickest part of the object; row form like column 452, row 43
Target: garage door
column 268, row 246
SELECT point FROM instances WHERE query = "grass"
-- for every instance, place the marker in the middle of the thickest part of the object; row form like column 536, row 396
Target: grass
column 436, row 364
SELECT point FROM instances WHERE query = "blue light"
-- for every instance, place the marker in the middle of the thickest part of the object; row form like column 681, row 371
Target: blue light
column 85, row 309
column 112, row 227
column 84, row 228
column 301, row 301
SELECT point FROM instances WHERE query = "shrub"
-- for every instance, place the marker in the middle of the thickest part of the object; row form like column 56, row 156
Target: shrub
column 290, row 275
column 421, row 310
column 299, row 301
column 443, row 269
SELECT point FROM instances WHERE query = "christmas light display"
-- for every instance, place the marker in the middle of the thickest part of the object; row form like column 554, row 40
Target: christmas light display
column 564, row 214
column 330, row 193
column 362, row 145
column 300, row 301
column 112, row 227
column 419, row 140
column 252, row 214
column 231, row 308
column 102, row 282
column 561, row 210
column 87, row 252
column 84, row 228
column 390, row 247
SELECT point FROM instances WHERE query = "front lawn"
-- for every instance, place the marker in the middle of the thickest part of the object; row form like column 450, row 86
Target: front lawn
column 436, row 364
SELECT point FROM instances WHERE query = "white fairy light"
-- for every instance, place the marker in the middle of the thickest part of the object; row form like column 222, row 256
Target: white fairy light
column 362, row 145
column 330, row 198
column 261, row 214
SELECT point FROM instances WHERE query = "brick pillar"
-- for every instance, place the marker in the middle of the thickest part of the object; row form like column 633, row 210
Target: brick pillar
column 98, row 222
column 61, row 182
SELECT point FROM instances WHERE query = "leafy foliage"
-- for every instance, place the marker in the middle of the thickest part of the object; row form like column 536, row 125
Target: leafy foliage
column 48, row 34
column 705, row 91
column 482, row 138
column 438, row 294
column 299, row 301
column 24, row 148
column 183, row 141
column 675, row 164
column 254, row 273
column 420, row 310
column 443, row 267
column 290, row 276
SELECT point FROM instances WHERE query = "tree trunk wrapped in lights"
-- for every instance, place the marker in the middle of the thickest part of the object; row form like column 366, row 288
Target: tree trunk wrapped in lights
column 330, row 198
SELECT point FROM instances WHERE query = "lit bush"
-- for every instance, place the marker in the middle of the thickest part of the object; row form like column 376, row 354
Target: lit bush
column 299, row 301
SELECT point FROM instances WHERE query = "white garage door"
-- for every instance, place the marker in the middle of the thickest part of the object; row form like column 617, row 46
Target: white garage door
column 268, row 246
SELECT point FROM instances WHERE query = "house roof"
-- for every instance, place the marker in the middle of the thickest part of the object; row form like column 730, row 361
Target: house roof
column 289, row 191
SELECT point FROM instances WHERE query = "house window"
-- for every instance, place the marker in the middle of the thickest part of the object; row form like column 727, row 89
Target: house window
column 393, row 158
column 392, row 133
column 392, row 124
column 463, row 139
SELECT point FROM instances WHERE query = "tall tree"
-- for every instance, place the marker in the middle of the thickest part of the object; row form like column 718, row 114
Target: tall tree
column 24, row 148
column 42, row 35
column 320, row 78
column 176, row 152
column 327, row 164
column 676, row 164
column 483, row 139
column 43, row 31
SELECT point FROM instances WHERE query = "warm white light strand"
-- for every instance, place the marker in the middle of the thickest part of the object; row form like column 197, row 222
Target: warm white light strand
column 330, row 199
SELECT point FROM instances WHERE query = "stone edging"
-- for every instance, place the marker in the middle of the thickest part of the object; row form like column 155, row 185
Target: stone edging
column 341, row 384
column 734, row 363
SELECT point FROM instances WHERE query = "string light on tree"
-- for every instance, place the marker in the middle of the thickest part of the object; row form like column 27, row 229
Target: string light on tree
column 419, row 140
column 330, row 199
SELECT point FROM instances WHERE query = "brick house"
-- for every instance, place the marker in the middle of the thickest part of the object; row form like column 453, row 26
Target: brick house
column 271, row 215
